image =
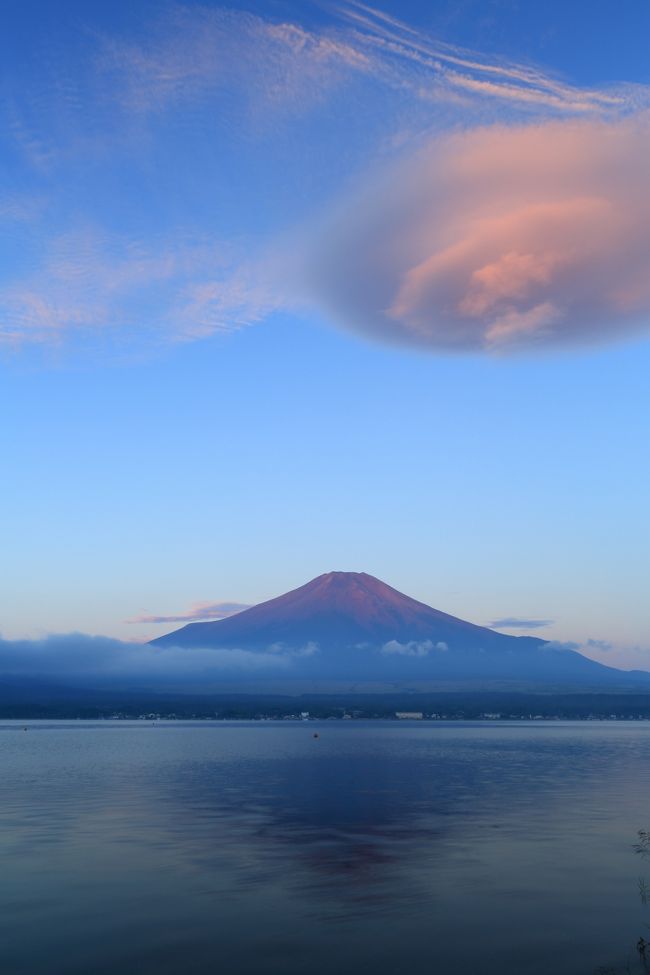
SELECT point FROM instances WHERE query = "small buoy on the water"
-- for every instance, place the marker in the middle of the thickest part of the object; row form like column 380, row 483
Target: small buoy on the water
column 25, row 728
column 316, row 735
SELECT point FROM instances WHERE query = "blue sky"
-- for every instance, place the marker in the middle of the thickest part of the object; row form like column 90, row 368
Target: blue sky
column 292, row 288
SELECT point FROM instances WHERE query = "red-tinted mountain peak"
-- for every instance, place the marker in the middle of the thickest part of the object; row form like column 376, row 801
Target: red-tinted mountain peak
column 339, row 608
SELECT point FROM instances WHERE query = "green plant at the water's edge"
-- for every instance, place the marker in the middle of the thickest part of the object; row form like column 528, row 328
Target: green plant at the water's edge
column 642, row 847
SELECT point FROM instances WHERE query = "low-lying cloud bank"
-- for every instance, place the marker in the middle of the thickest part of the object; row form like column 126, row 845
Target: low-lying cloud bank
column 414, row 648
column 77, row 656
column 499, row 238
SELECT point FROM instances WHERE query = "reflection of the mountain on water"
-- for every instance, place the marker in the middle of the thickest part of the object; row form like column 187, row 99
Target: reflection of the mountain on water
column 382, row 821
column 361, row 866
column 361, row 830
column 447, row 848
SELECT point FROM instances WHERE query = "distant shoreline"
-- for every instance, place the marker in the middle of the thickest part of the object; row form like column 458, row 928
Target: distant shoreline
column 430, row 708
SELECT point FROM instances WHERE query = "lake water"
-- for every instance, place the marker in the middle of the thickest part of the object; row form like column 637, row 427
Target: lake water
column 378, row 847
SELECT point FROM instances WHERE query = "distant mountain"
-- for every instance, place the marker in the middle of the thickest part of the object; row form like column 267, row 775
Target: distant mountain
column 349, row 626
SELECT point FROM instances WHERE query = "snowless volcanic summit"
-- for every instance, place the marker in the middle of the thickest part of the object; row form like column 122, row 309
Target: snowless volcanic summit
column 351, row 626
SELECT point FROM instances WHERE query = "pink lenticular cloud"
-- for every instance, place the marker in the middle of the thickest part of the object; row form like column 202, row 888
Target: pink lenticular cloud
column 501, row 238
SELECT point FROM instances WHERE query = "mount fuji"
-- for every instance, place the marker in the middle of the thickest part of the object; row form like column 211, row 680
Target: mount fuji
column 350, row 626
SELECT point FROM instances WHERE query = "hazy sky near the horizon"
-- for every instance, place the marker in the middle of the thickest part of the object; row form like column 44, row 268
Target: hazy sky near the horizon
column 291, row 287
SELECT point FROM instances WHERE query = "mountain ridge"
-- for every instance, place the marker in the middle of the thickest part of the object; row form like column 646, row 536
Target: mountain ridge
column 342, row 606
column 352, row 626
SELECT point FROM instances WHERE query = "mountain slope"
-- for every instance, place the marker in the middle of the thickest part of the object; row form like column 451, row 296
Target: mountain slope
column 339, row 608
column 351, row 626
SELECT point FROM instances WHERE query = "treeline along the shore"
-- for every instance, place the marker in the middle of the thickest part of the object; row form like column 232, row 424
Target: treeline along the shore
column 444, row 705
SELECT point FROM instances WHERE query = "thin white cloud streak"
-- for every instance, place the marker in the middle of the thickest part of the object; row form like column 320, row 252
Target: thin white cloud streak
column 499, row 238
column 396, row 41
column 517, row 623
column 197, row 613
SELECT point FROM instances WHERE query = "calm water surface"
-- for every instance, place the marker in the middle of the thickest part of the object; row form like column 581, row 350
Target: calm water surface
column 256, row 849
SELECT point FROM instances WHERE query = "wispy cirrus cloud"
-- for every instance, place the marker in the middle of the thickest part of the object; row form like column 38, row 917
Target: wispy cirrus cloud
column 20, row 207
column 196, row 613
column 157, row 289
column 198, row 52
column 416, row 56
